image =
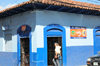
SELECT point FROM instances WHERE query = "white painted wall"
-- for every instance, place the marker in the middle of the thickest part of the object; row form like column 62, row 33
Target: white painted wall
column 40, row 19
column 2, row 47
column 66, row 20
column 14, row 22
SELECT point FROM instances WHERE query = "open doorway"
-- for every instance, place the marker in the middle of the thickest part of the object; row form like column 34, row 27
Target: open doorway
column 24, row 51
column 51, row 48
column 24, row 45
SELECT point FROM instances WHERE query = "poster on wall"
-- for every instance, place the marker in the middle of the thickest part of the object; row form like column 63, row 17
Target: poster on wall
column 77, row 32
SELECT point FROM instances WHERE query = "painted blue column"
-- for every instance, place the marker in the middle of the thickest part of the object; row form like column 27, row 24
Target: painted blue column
column 18, row 50
column 64, row 49
column 45, row 48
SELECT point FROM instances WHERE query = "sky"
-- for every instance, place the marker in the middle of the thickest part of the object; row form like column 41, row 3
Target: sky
column 8, row 3
column 97, row 2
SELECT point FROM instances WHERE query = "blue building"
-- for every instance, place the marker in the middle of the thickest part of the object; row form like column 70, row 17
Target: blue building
column 28, row 32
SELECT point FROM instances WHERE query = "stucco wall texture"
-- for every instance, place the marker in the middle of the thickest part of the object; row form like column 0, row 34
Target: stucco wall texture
column 38, row 20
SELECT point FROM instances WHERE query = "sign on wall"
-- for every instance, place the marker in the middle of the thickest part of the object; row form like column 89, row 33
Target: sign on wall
column 77, row 32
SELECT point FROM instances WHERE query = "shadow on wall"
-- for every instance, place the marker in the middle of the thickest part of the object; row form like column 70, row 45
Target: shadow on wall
column 14, row 22
column 7, row 36
column 9, row 57
column 48, row 17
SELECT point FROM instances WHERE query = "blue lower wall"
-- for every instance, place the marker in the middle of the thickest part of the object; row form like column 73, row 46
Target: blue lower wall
column 40, row 57
column 8, row 58
column 76, row 56
column 33, row 61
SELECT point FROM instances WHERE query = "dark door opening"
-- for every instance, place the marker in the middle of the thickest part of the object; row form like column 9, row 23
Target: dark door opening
column 51, row 48
column 24, row 51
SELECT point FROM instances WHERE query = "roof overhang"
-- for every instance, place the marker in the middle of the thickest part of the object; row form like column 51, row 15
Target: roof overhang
column 27, row 6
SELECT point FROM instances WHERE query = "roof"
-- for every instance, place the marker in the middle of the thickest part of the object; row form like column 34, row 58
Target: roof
column 56, row 5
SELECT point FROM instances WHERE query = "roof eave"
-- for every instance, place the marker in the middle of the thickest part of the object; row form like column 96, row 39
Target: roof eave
column 27, row 6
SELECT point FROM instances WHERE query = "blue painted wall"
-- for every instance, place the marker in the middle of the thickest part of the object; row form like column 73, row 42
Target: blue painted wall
column 77, row 55
column 96, row 34
column 8, row 58
column 40, row 57
column 97, row 44
column 34, row 59
column 79, row 49
column 8, row 40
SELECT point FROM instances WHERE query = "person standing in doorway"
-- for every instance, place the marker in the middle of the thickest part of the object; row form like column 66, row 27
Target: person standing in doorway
column 57, row 58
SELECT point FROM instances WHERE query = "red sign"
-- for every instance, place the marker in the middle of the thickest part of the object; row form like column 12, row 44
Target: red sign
column 78, row 32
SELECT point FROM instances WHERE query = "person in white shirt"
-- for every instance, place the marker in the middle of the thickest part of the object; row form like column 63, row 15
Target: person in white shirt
column 56, row 59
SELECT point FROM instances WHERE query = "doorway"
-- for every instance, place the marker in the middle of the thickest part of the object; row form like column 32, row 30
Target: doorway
column 25, row 56
column 51, row 48
column 54, row 33
column 24, row 48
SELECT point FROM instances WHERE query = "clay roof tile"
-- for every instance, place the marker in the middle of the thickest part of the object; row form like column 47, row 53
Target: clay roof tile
column 66, row 3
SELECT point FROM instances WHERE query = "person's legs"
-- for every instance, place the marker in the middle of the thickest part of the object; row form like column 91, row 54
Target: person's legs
column 59, row 61
column 54, row 61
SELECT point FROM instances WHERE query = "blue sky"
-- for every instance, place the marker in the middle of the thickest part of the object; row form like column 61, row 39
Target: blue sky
column 8, row 3
column 91, row 1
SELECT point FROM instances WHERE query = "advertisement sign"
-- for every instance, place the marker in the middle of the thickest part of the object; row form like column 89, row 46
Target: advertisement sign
column 78, row 32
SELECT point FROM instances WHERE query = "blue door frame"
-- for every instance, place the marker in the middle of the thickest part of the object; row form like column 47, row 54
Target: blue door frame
column 96, row 40
column 18, row 48
column 18, row 45
column 55, row 34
